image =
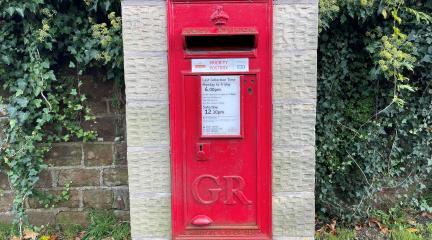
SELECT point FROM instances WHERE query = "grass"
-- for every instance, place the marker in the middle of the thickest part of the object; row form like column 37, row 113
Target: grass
column 105, row 224
column 5, row 231
column 342, row 234
column 404, row 234
column 394, row 224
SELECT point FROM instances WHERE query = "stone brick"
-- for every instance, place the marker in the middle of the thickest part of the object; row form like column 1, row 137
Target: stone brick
column 295, row 26
column 122, row 215
column 72, row 217
column 98, row 154
column 147, row 125
column 45, row 179
column 98, row 93
column 293, row 124
column 98, row 198
column 78, row 177
column 293, row 169
column 4, row 182
column 121, row 199
column 41, row 217
column 73, row 201
column 6, row 200
column 144, row 27
column 149, row 170
column 146, row 78
column 295, row 75
column 151, row 217
column 115, row 176
column 108, row 127
column 120, row 156
column 6, row 217
column 294, row 215
column 64, row 154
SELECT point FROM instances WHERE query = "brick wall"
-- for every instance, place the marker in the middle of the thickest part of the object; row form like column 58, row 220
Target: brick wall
column 97, row 173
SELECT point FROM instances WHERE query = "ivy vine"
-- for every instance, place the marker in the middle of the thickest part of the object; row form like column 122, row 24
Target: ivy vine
column 374, row 107
column 47, row 45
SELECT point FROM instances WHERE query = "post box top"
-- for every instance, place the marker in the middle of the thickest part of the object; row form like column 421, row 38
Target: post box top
column 220, row 1
column 219, row 31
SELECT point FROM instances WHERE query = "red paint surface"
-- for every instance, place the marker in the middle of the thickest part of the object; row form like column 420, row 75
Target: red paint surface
column 221, row 190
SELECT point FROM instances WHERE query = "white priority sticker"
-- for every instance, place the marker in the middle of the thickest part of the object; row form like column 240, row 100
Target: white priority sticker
column 220, row 65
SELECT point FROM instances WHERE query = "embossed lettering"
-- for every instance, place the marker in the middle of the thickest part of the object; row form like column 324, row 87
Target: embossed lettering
column 214, row 192
column 233, row 189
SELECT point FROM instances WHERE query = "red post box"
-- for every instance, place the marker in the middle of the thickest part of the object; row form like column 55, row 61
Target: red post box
column 220, row 118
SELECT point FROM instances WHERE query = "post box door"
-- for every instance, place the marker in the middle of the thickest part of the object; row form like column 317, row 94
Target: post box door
column 221, row 157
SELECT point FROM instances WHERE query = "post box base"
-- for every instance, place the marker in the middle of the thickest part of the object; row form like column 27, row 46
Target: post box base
column 219, row 237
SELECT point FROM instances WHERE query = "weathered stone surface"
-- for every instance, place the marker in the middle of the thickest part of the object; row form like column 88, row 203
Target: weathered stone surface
column 98, row 198
column 98, row 154
column 144, row 27
column 151, row 217
column 4, row 182
column 41, row 217
column 72, row 217
column 121, row 199
column 6, row 200
column 147, row 78
column 149, row 170
column 147, row 125
column 73, row 201
column 295, row 75
column 64, row 154
column 6, row 217
column 293, row 124
column 120, row 157
column 293, row 169
column 295, row 26
column 78, row 177
column 122, row 215
column 115, row 176
column 45, row 179
column 294, row 215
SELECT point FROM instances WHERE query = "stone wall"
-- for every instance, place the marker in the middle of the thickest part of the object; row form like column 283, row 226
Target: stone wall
column 146, row 78
column 96, row 173
column 295, row 40
column 295, row 43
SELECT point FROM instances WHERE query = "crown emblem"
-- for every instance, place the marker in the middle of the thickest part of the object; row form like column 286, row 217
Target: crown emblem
column 219, row 17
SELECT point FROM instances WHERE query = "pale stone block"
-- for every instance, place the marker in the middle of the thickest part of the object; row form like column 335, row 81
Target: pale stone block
column 147, row 125
column 147, row 77
column 295, row 75
column 144, row 27
column 149, row 170
column 295, row 26
column 150, row 217
column 293, row 124
column 294, row 215
column 293, row 169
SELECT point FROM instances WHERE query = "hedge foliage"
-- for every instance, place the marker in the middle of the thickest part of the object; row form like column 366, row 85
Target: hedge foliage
column 374, row 123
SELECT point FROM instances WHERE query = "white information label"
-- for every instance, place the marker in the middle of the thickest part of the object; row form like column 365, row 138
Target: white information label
column 220, row 65
column 220, row 102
